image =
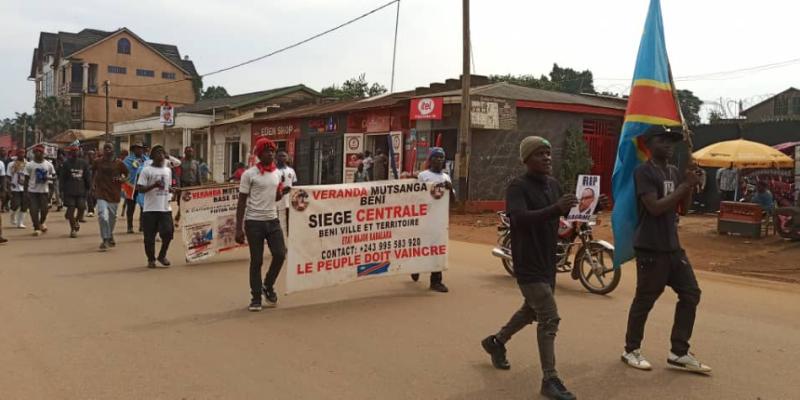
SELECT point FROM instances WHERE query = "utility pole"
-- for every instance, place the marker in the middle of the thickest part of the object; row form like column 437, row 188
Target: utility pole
column 108, row 133
column 462, row 154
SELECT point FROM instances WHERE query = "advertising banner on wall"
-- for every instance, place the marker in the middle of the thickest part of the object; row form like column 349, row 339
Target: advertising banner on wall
column 353, row 147
column 351, row 232
column 208, row 220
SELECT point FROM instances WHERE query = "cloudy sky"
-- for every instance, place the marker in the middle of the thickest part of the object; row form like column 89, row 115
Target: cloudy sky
column 510, row 36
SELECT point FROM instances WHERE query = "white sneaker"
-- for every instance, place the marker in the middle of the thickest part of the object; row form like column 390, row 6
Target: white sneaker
column 687, row 363
column 21, row 226
column 37, row 233
column 91, row 214
column 636, row 360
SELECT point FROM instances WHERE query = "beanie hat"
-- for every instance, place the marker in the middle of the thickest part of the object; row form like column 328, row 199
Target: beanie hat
column 530, row 144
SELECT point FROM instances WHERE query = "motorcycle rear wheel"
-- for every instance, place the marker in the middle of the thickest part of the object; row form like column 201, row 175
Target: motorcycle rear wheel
column 508, row 264
column 608, row 279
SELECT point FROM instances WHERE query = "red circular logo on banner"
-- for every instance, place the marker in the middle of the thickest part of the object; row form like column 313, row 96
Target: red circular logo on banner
column 353, row 143
column 426, row 106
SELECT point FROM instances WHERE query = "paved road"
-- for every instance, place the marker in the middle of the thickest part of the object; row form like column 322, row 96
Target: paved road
column 77, row 324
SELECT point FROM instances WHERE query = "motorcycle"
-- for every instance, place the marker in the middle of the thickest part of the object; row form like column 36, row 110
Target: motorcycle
column 593, row 261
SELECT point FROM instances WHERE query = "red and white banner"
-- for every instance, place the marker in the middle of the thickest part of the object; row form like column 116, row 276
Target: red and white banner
column 426, row 109
column 208, row 220
column 167, row 115
column 351, row 232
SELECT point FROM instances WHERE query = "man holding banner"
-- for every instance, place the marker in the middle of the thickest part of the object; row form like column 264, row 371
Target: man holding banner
column 257, row 218
column 647, row 192
column 435, row 175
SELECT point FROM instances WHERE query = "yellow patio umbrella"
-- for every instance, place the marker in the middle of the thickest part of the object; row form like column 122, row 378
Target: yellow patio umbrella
column 741, row 154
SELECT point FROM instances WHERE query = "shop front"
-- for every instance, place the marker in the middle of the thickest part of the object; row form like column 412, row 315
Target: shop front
column 375, row 131
column 283, row 133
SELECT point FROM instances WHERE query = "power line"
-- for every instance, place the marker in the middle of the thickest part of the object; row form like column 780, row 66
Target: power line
column 281, row 50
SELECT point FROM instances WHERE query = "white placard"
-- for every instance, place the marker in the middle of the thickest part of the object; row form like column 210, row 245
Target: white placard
column 587, row 191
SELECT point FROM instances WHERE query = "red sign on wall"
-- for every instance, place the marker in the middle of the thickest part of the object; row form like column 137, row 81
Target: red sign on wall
column 275, row 131
column 426, row 109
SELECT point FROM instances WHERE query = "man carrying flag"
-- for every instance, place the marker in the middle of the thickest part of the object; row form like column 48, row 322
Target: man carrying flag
column 648, row 191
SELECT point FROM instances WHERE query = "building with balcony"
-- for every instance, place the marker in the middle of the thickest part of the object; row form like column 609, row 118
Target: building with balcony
column 74, row 66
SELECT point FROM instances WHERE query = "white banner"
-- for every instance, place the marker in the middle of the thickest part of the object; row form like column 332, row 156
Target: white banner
column 588, row 193
column 208, row 220
column 346, row 233
column 166, row 115
column 353, row 149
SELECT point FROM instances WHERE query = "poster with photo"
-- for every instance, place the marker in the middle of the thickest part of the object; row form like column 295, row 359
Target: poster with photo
column 587, row 191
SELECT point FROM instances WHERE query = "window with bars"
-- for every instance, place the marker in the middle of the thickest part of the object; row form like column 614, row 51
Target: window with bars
column 168, row 75
column 146, row 72
column 113, row 69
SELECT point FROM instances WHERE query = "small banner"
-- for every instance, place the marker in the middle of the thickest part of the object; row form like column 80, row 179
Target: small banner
column 208, row 220
column 588, row 193
column 350, row 232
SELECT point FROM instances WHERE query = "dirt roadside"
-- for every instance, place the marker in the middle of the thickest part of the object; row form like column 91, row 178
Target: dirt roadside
column 769, row 258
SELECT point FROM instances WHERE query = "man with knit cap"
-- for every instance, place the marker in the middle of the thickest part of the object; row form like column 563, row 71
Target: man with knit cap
column 534, row 205
column 261, row 188
column 435, row 175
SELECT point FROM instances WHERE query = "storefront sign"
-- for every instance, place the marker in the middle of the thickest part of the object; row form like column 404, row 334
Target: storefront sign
column 352, row 232
column 426, row 109
column 323, row 125
column 274, row 131
column 378, row 122
column 208, row 220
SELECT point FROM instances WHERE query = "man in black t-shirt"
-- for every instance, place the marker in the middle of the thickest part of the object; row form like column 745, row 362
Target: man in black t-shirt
column 660, row 259
column 75, row 179
column 534, row 205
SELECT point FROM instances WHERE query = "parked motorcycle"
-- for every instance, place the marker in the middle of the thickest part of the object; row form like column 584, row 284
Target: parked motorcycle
column 593, row 261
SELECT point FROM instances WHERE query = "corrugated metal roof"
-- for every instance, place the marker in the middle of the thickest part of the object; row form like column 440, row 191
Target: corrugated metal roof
column 242, row 99
column 315, row 110
column 506, row 90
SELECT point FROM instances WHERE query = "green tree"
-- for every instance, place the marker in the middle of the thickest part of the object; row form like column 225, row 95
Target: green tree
column 715, row 116
column 214, row 92
column 17, row 126
column 575, row 160
column 561, row 80
column 354, row 88
column 52, row 116
column 690, row 106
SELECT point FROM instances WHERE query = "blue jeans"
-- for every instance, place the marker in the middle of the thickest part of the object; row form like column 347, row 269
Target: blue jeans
column 107, row 218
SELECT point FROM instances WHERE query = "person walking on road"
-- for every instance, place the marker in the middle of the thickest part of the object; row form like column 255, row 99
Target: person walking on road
column 435, row 175
column 534, row 205
column 3, row 191
column 257, row 218
column 134, row 162
column 19, row 201
column 109, row 173
column 91, row 200
column 660, row 259
column 154, row 182
column 288, row 178
column 75, row 181
column 38, row 174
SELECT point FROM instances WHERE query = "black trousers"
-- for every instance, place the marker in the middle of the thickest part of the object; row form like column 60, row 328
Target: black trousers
column 74, row 203
column 654, row 272
column 19, row 201
column 257, row 232
column 154, row 222
column 39, row 204
column 130, row 209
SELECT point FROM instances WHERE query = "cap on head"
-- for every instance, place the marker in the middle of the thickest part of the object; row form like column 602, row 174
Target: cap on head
column 530, row 145
column 137, row 144
column 157, row 147
column 674, row 132
column 263, row 143
column 435, row 151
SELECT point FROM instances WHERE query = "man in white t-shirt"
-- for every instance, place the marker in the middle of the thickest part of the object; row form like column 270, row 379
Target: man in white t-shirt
column 260, row 189
column 2, row 192
column 435, row 175
column 38, row 174
column 15, row 173
column 288, row 178
column 155, row 183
